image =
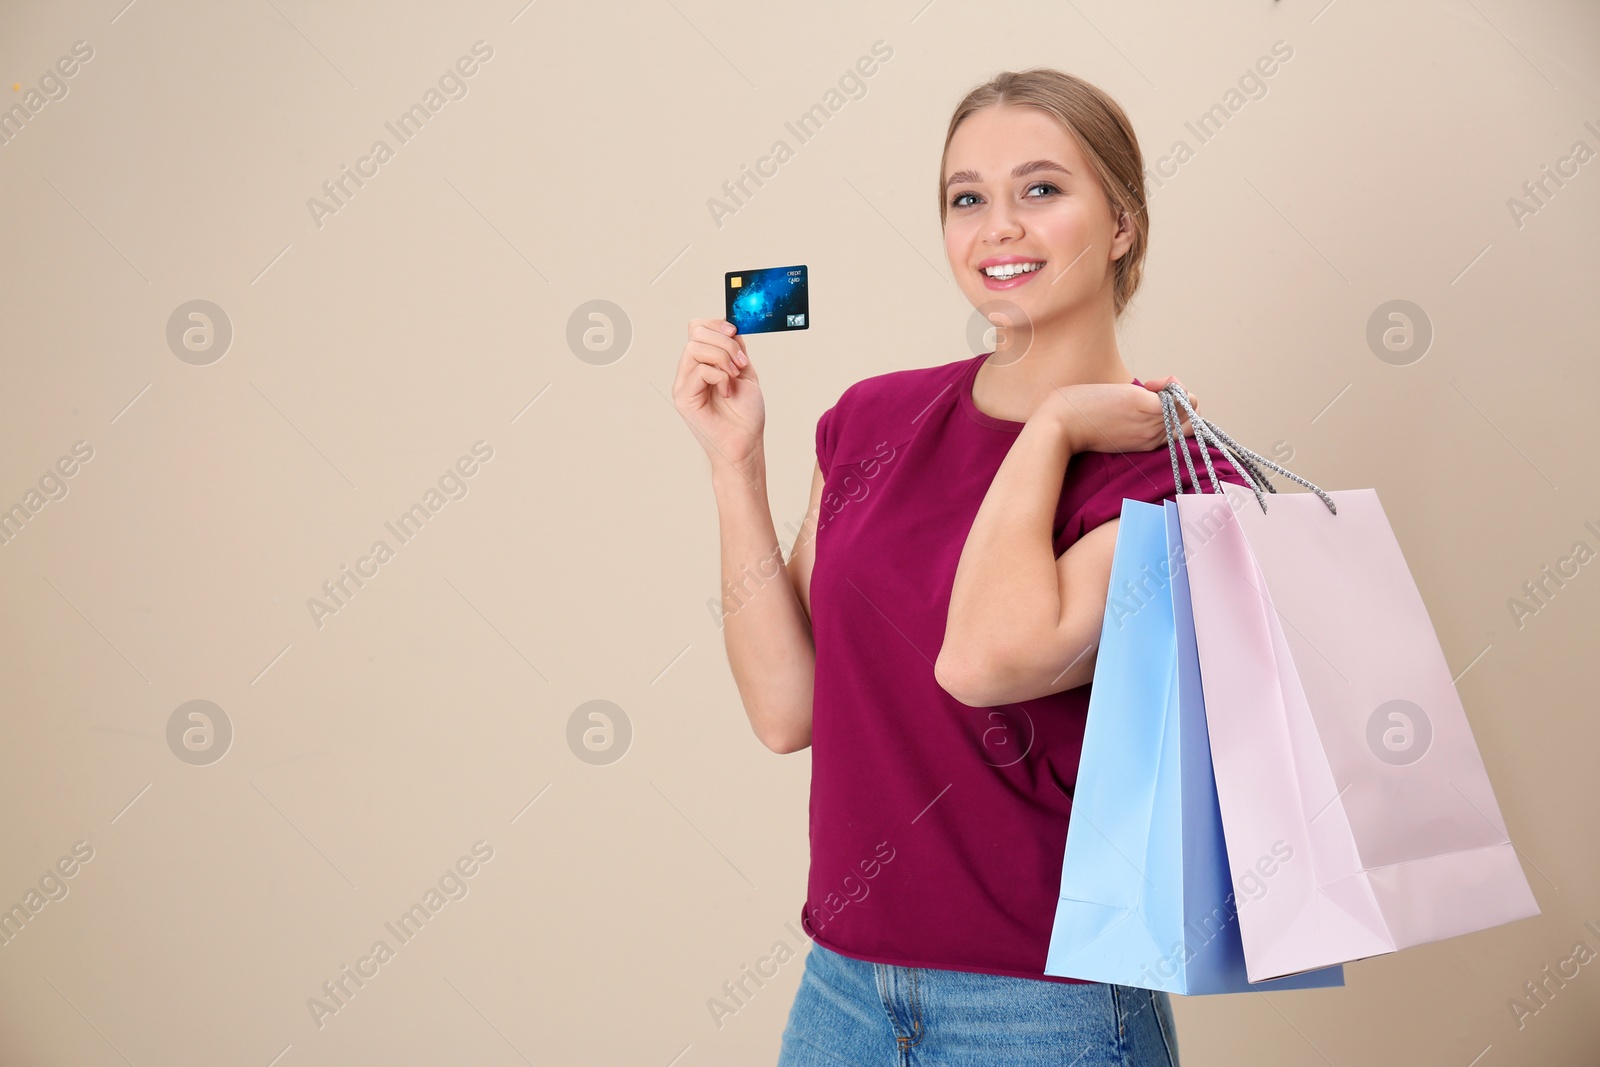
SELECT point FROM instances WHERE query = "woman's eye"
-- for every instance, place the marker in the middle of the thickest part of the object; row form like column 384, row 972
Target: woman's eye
column 956, row 201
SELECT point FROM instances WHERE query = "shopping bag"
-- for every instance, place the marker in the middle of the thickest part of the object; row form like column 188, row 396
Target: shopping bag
column 1145, row 898
column 1336, row 731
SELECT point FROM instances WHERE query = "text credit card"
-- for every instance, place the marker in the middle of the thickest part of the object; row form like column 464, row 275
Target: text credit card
column 768, row 299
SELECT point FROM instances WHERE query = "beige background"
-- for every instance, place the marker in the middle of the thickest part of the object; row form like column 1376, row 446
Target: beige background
column 431, row 311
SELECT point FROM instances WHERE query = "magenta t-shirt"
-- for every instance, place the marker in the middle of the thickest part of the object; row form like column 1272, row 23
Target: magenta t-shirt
column 937, row 828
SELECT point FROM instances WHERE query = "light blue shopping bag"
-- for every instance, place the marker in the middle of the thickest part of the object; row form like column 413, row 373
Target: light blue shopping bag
column 1146, row 899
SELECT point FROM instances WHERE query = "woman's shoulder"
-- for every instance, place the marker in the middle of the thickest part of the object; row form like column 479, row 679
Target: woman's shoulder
column 883, row 408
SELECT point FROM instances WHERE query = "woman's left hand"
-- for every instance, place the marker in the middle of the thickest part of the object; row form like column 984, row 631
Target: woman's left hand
column 1158, row 384
column 1108, row 417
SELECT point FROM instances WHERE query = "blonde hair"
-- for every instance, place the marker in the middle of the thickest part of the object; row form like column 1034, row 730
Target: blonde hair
column 1104, row 136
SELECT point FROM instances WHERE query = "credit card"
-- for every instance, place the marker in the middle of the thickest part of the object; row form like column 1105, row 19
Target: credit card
column 768, row 299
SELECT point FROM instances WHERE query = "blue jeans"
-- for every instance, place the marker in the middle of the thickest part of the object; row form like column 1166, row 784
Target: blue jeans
column 851, row 1013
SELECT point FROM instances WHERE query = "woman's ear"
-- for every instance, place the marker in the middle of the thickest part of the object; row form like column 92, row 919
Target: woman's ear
column 1124, row 231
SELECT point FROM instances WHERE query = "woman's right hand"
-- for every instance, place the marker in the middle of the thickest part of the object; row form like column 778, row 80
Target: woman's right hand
column 718, row 394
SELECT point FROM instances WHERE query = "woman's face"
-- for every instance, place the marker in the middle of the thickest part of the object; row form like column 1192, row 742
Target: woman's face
column 1053, row 213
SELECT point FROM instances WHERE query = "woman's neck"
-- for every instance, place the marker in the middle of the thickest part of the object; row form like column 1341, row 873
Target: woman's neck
column 1025, row 367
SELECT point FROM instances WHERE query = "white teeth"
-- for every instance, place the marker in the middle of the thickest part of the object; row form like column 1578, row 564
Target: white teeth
column 1011, row 270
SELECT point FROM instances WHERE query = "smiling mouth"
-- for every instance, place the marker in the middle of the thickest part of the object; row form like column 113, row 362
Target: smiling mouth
column 1011, row 270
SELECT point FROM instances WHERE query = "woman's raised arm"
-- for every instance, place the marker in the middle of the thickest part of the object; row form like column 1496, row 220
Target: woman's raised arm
column 765, row 620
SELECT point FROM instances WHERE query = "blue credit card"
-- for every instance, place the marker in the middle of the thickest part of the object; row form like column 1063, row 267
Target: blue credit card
column 769, row 299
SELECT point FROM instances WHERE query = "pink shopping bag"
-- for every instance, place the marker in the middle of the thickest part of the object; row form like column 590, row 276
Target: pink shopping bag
column 1337, row 736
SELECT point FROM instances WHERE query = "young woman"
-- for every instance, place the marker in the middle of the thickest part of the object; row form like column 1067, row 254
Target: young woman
column 932, row 635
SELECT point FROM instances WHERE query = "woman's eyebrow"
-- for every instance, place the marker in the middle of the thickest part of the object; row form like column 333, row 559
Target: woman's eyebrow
column 1020, row 170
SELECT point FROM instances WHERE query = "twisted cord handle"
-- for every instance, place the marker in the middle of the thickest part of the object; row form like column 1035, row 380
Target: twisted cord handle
column 1253, row 474
column 1173, row 425
column 1170, row 420
column 1242, row 458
